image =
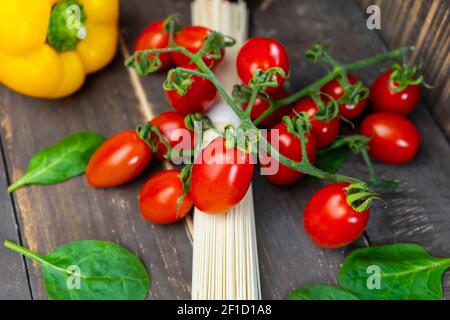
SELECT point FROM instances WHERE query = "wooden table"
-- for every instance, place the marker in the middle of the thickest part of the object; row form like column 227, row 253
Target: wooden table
column 43, row 217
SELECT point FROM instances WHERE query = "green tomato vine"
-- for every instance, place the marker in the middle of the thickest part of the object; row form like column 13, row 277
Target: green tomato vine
column 213, row 47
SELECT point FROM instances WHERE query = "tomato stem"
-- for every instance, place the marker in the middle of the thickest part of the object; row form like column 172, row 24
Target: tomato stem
column 337, row 70
column 260, row 82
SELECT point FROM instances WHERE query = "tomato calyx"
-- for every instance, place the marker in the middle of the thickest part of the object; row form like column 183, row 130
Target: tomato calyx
column 214, row 45
column 404, row 75
column 178, row 80
column 240, row 138
column 360, row 196
column 185, row 178
column 325, row 111
column 263, row 79
column 191, row 119
column 140, row 62
column 299, row 126
column 317, row 52
column 172, row 24
column 353, row 93
column 151, row 135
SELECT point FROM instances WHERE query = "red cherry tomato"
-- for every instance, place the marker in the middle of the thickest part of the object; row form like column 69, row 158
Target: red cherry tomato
column 262, row 53
column 118, row 160
column 158, row 199
column 155, row 37
column 395, row 139
column 384, row 99
column 336, row 91
column 192, row 38
column 330, row 221
column 220, row 178
column 198, row 98
column 325, row 132
column 172, row 126
column 290, row 147
column 261, row 105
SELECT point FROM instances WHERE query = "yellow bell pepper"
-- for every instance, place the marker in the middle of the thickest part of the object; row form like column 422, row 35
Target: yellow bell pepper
column 48, row 46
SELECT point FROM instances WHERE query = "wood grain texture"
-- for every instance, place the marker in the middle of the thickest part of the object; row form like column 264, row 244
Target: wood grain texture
column 13, row 274
column 426, row 25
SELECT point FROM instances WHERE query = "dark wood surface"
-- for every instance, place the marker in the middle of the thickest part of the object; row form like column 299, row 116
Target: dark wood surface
column 45, row 217
column 424, row 24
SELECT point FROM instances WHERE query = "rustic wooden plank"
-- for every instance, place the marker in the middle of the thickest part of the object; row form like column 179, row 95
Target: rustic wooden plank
column 426, row 25
column 13, row 273
column 425, row 217
column 52, row 215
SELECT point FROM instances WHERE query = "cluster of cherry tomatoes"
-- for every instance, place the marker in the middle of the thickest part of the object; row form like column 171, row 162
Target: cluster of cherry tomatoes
column 217, row 185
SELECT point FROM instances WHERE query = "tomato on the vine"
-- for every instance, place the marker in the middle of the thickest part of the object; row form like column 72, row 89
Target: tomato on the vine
column 394, row 138
column 261, row 105
column 330, row 221
column 155, row 36
column 118, row 160
column 262, row 53
column 325, row 132
column 383, row 98
column 172, row 127
column 336, row 91
column 160, row 196
column 192, row 38
column 199, row 97
column 289, row 146
column 220, row 177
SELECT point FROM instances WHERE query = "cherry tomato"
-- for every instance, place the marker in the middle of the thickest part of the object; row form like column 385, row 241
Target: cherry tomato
column 199, row 97
column 384, row 99
column 158, row 199
column 192, row 38
column 172, row 126
column 220, row 178
column 118, row 160
column 325, row 132
column 395, row 139
column 330, row 221
column 336, row 91
column 262, row 53
column 290, row 147
column 261, row 105
column 155, row 37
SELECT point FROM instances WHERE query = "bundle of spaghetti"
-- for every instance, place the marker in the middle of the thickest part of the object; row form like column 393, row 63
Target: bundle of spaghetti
column 225, row 259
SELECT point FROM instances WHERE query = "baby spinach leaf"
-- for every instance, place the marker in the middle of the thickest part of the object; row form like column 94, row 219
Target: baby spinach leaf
column 320, row 292
column 406, row 272
column 90, row 270
column 66, row 159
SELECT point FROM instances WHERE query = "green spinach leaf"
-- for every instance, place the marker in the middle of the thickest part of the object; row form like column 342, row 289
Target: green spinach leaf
column 406, row 271
column 320, row 292
column 66, row 159
column 90, row 270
